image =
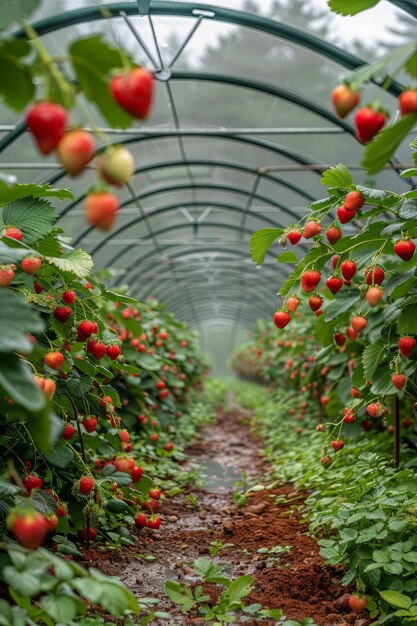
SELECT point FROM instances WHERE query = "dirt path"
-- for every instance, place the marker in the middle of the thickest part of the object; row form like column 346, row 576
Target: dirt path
column 296, row 582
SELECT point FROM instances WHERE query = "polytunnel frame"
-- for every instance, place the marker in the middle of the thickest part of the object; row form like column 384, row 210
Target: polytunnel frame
column 200, row 13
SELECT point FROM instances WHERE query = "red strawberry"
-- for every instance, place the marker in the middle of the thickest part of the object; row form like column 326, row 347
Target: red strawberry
column 339, row 339
column 101, row 208
column 47, row 121
column 354, row 201
column 374, row 276
column 338, row 445
column 311, row 229
column 54, row 360
column 358, row 323
column 137, row 472
column 349, row 416
column 75, row 151
column 292, row 303
column 326, row 461
column 334, row 284
column 61, row 510
column 116, row 165
column 13, row 233
column 348, row 269
column 404, row 248
column 344, row 215
column 169, row 446
column 113, row 352
column 344, row 99
column 309, row 280
column 155, row 494
column 358, row 603
column 85, row 485
column 184, row 343
column 90, row 424
column 97, row 349
column 62, row 313
column 160, row 385
column 124, row 436
column 53, row 522
column 91, row 534
column 406, row 345
column 294, row 236
column 29, row 527
column 368, row 122
column 68, row 297
column 375, row 409
column 86, row 329
column 281, row 319
column 31, row 264
column 124, row 464
column 106, row 402
column 141, row 520
column 334, row 261
column 333, row 234
column 68, row 432
column 315, row 302
column 31, row 481
column 134, row 91
column 6, row 276
column 399, row 381
column 37, row 287
column 351, row 333
column 374, row 295
column 154, row 437
column 367, row 425
column 154, row 524
column 407, row 102
column 355, row 393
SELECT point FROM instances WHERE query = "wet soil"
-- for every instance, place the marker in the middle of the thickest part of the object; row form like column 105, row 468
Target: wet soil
column 296, row 581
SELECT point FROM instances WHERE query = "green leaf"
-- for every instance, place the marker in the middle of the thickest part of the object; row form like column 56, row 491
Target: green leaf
column 77, row 262
column 180, row 594
column 106, row 592
column 407, row 322
column 345, row 301
column 17, row 192
column 26, row 583
column 61, row 456
column 372, row 357
column 16, row 379
column 320, row 205
column 408, row 209
column 396, row 599
column 62, row 608
column 7, row 488
column 337, row 176
column 148, row 362
column 261, row 241
column 78, row 385
column 11, row 53
column 33, row 216
column 381, row 381
column 382, row 148
column 14, row 11
column 411, row 171
column 287, row 257
column 410, row 65
column 238, row 589
column 351, row 7
column 118, row 297
column 93, row 60
column 16, row 319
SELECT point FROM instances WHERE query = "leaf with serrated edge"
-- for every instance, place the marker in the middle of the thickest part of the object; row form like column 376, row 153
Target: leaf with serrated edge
column 261, row 241
column 372, row 357
column 337, row 176
column 348, row 7
column 77, row 262
column 383, row 147
column 34, row 217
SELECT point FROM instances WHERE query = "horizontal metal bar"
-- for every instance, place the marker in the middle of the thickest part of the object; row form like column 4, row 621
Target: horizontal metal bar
column 289, row 130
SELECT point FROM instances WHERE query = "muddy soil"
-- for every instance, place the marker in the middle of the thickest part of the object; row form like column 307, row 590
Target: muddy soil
column 296, row 581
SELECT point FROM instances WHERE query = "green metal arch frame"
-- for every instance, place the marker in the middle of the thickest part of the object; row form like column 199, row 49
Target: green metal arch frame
column 221, row 290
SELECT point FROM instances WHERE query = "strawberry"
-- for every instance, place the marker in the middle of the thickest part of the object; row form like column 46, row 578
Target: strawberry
column 47, row 121
column 97, row 349
column 6, row 275
column 404, row 248
column 407, row 102
column 375, row 409
column 169, row 446
column 90, row 424
column 333, row 234
column 154, row 524
column 141, row 520
column 31, row 481
column 367, row 425
column 358, row 603
column 315, row 302
column 54, row 360
column 326, row 461
column 351, row 333
column 29, row 527
column 137, row 472
column 358, row 323
column 339, row 339
column 90, row 534
column 13, row 233
column 368, row 122
column 338, row 444
column 292, row 303
column 61, row 510
column 374, row 295
column 281, row 319
column 68, row 297
column 31, row 264
column 309, row 280
column 113, row 352
column 85, row 329
column 46, row 385
column 334, row 261
column 155, row 494
column 345, row 216
column 184, row 343
column 101, row 208
column 374, row 276
column 124, row 464
column 62, row 313
column 334, row 284
column 53, row 522
column 355, row 393
column 354, row 201
column 134, row 91
column 294, row 236
column 160, row 384
column 406, row 345
column 349, row 416
column 116, row 165
column 37, row 287
column 124, row 436
column 344, row 99
column 348, row 269
column 75, row 151
column 311, row 229
column 85, row 485
column 154, row 437
column 68, row 432
column 106, row 402
column 399, row 381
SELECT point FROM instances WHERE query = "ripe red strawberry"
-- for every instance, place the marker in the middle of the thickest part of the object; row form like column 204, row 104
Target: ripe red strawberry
column 160, row 384
column 85, row 485
column 333, row 234
column 309, row 280
column 406, row 345
column 54, row 360
column 399, row 381
column 368, row 122
column 351, row 333
column 349, row 416
column 46, row 385
column 134, row 91
column 338, row 445
column 13, row 233
column 339, row 339
column 6, row 275
column 367, row 425
column 141, row 520
column 407, row 102
column 86, row 329
column 184, row 343
column 358, row 603
column 334, row 284
column 154, row 437
column 404, row 248
column 137, row 472
column 334, row 261
column 348, row 269
column 124, row 436
column 124, row 464
column 116, row 165
column 294, row 236
column 281, row 319
column 311, row 229
column 91, row 534
column 31, row 481
column 90, row 424
column 326, row 461
column 355, row 393
column 354, row 201
column 68, row 297
column 169, row 446
column 344, row 215
column 61, row 510
column 29, row 527
column 47, row 121
column 292, row 303
column 315, row 302
column 31, row 265
column 62, row 313
column 97, row 349
column 358, row 323
column 68, row 432
column 374, row 276
column 101, row 208
column 37, row 287
column 53, row 522
column 344, row 99
column 155, row 494
column 375, row 409
column 106, row 402
column 154, row 524
column 374, row 295
column 75, row 151
column 113, row 352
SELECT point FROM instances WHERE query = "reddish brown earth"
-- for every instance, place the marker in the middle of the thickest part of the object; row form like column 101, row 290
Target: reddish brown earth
column 299, row 584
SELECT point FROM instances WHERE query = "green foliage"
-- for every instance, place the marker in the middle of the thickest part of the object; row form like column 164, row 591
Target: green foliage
column 337, row 176
column 351, row 7
column 261, row 241
column 383, row 147
column 33, row 216
column 12, row 54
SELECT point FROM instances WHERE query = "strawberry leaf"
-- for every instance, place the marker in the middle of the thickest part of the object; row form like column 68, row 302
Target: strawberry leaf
column 16, row 192
column 347, row 7
column 14, row 11
column 11, row 53
column 33, row 216
column 407, row 322
column 261, row 241
column 381, row 149
column 337, row 176
column 75, row 261
column 372, row 357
